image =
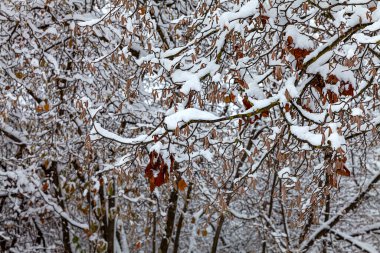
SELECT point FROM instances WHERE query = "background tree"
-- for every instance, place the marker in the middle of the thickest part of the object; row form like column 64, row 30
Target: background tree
column 200, row 126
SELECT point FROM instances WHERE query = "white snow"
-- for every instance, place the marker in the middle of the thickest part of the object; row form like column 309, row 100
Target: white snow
column 184, row 116
column 357, row 112
column 248, row 9
column 109, row 135
column 299, row 40
column 191, row 81
column 303, row 133
column 362, row 245
column 336, row 140
column 365, row 39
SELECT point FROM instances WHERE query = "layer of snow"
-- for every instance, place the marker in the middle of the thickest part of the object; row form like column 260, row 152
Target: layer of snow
column 248, row 9
column 303, row 133
column 191, row 81
column 98, row 129
column 299, row 40
column 181, row 117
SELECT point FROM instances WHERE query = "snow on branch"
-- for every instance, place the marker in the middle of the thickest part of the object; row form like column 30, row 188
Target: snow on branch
column 12, row 133
column 98, row 129
column 365, row 247
column 366, row 229
column 186, row 116
column 350, row 206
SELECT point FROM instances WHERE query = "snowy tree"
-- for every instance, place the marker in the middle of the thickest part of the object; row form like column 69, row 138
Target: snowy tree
column 199, row 126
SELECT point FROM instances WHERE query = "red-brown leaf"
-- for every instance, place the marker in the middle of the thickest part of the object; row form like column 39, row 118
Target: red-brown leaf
column 343, row 171
column 182, row 185
column 246, row 103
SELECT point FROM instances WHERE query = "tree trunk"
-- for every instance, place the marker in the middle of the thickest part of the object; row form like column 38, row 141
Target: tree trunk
column 217, row 234
column 181, row 218
column 170, row 222
column 110, row 227
column 264, row 245
column 65, row 225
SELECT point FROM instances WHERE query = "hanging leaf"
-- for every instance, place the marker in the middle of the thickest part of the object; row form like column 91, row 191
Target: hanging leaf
column 343, row 171
column 182, row 185
column 287, row 107
column 265, row 114
column 45, row 187
column 19, row 75
column 46, row 107
column 347, row 89
column 332, row 181
column 230, row 98
column 290, row 40
column 246, row 103
column 177, row 131
column 39, row 108
column 287, row 95
column 332, row 79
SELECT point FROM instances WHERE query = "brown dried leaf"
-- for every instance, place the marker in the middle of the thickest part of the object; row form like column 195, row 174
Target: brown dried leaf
column 343, row 171
column 182, row 185
column 46, row 107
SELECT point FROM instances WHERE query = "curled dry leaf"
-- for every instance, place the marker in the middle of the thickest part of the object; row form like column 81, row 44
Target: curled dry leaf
column 332, row 181
column 287, row 107
column 332, row 79
column 290, row 40
column 230, row 98
column 39, row 108
column 156, row 171
column 265, row 114
column 46, row 107
column 343, row 171
column 182, row 185
column 246, row 103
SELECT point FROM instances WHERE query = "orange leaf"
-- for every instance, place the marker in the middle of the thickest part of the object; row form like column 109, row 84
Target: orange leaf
column 46, row 107
column 148, row 170
column 230, row 98
column 161, row 177
column 151, row 184
column 287, row 107
column 299, row 53
column 39, row 108
column 332, row 97
column 182, row 185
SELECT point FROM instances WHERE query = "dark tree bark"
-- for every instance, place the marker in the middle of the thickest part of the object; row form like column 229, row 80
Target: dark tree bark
column 170, row 221
column 217, row 234
column 181, row 218
column 352, row 205
column 65, row 225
